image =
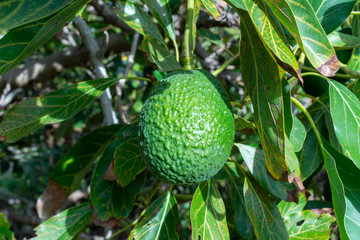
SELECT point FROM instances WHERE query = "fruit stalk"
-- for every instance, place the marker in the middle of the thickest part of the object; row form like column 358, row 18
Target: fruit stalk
column 188, row 44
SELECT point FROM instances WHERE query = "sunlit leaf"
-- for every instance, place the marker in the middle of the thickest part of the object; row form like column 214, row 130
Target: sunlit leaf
column 344, row 181
column 344, row 41
column 207, row 213
column 241, row 219
column 261, row 77
column 20, row 42
column 255, row 161
column 127, row 162
column 211, row 9
column 158, row 54
column 65, row 225
column 354, row 62
column 264, row 214
column 305, row 224
column 110, row 202
column 5, row 232
column 159, row 221
column 160, row 9
column 136, row 17
column 345, row 114
column 297, row 135
column 16, row 13
column 57, row 106
column 332, row 14
column 301, row 21
column 270, row 30
column 72, row 167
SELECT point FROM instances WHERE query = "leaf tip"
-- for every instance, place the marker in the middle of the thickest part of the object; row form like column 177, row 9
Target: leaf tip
column 330, row 67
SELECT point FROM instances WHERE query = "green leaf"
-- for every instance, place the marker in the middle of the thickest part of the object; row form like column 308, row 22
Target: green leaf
column 293, row 163
column 20, row 42
column 16, row 13
column 211, row 37
column 271, row 32
column 211, row 9
column 344, row 181
column 305, row 224
column 241, row 124
column 241, row 219
column 136, row 17
column 332, row 14
column 264, row 214
column 345, row 114
column 32, row 114
column 158, row 54
column 127, row 162
column 5, row 232
column 159, row 221
column 354, row 62
column 255, row 161
column 65, row 225
column 310, row 157
column 298, row 134
column 110, row 202
column 261, row 77
column 207, row 213
column 343, row 41
column 356, row 89
column 160, row 9
column 300, row 20
column 72, row 167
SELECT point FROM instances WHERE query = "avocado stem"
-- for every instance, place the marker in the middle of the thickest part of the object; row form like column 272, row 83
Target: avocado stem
column 189, row 36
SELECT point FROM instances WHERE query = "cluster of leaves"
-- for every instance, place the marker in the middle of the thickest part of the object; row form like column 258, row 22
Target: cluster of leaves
column 254, row 201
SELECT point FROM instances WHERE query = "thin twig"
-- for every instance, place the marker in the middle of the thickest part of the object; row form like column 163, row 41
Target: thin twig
column 121, row 82
column 96, row 59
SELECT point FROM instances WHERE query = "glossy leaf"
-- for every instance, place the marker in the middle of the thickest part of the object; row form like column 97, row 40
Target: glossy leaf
column 344, row 41
column 127, row 162
column 159, row 221
column 345, row 114
column 305, row 224
column 20, row 42
column 160, row 9
column 65, row 225
column 241, row 219
column 158, row 54
column 354, row 62
column 72, row 167
column 264, row 214
column 211, row 9
column 261, row 77
column 207, row 213
column 5, row 232
column 332, row 14
column 110, row 202
column 344, row 181
column 301, row 21
column 16, row 13
column 211, row 37
column 271, row 32
column 136, row 17
column 255, row 161
column 298, row 134
column 57, row 106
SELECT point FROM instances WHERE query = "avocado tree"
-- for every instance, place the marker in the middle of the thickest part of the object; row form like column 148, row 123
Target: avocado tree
column 197, row 119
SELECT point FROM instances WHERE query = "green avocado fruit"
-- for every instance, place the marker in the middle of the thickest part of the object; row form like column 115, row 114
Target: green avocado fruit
column 186, row 128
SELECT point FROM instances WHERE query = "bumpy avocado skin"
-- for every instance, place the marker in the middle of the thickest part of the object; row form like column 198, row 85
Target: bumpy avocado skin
column 186, row 127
